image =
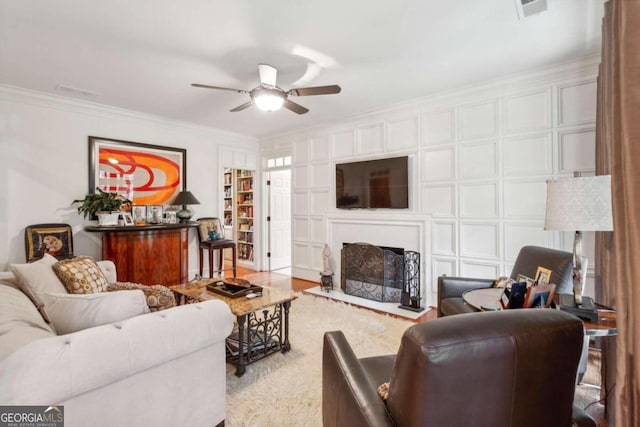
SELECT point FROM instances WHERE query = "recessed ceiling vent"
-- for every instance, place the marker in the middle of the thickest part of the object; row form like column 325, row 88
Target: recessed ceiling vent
column 527, row 8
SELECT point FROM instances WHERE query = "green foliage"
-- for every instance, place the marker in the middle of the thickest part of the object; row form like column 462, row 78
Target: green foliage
column 101, row 201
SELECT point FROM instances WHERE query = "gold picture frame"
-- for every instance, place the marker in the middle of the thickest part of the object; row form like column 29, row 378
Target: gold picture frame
column 543, row 276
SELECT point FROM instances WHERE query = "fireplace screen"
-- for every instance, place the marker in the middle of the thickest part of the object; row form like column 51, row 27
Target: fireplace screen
column 372, row 272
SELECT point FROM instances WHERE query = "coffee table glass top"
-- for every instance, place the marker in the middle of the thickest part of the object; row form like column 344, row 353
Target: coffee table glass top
column 239, row 306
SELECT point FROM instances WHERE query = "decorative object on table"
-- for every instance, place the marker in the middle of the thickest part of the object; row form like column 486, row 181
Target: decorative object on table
column 503, row 282
column 154, row 213
column 540, row 296
column 523, row 278
column 147, row 174
column 185, row 198
column 579, row 204
column 52, row 239
column 517, row 295
column 127, row 218
column 103, row 204
column 139, row 213
column 326, row 275
column 233, row 287
column 171, row 216
column 543, row 275
column 410, row 298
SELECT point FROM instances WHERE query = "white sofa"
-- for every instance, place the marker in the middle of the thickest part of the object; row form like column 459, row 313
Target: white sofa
column 164, row 368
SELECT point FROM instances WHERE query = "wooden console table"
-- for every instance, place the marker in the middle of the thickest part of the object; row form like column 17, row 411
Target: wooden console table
column 148, row 254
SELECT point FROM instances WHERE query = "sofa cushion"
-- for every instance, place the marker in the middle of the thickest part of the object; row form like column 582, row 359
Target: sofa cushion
column 38, row 278
column 7, row 278
column 20, row 322
column 158, row 297
column 81, row 275
column 75, row 312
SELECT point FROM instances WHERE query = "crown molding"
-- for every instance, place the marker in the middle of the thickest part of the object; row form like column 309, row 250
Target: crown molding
column 56, row 102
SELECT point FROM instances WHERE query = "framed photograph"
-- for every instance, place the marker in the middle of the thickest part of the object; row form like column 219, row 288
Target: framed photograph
column 139, row 213
column 543, row 276
column 539, row 296
column 128, row 219
column 154, row 214
column 145, row 174
column 171, row 216
column 523, row 278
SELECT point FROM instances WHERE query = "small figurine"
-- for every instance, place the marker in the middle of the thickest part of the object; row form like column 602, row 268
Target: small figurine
column 326, row 268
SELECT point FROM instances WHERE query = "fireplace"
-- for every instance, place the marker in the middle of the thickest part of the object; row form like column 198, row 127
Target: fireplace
column 372, row 272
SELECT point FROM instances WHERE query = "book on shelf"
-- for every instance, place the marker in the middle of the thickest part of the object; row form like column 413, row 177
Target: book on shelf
column 233, row 344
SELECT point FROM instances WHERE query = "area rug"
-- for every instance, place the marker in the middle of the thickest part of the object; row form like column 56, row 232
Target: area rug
column 286, row 389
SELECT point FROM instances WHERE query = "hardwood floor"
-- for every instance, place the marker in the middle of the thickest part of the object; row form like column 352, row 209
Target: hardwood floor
column 277, row 280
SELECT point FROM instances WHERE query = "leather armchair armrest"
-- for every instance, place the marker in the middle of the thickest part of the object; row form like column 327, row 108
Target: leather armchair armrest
column 450, row 287
column 349, row 396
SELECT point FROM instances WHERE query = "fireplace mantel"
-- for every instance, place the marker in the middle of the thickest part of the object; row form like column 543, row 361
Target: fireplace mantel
column 409, row 231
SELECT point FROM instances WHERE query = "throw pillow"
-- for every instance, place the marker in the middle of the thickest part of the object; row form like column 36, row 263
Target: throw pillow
column 37, row 278
column 81, row 275
column 207, row 226
column 74, row 312
column 383, row 391
column 158, row 297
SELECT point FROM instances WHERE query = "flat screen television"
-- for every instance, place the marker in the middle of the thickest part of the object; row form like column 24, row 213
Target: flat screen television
column 373, row 184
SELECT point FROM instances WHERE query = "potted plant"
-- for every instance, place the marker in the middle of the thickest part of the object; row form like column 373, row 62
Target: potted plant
column 105, row 205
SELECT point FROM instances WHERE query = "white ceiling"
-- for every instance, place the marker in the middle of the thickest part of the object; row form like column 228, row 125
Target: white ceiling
column 143, row 54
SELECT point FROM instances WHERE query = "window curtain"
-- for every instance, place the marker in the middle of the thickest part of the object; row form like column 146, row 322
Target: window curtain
column 618, row 154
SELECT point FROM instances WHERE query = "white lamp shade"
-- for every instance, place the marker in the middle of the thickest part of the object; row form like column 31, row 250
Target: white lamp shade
column 579, row 204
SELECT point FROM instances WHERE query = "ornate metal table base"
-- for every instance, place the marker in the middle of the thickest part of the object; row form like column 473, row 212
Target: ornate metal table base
column 260, row 334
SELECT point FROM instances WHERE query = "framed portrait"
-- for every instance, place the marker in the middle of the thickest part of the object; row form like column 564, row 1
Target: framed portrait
column 543, row 276
column 146, row 174
column 171, row 217
column 539, row 296
column 139, row 213
column 154, row 214
column 128, row 219
column 523, row 278
column 52, row 239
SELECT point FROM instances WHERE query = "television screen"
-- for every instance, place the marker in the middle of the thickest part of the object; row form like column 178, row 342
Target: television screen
column 373, row 184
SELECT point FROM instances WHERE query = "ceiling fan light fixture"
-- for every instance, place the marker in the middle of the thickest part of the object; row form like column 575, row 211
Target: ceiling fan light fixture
column 268, row 99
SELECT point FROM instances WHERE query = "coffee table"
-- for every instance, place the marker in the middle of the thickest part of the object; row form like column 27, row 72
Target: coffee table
column 263, row 322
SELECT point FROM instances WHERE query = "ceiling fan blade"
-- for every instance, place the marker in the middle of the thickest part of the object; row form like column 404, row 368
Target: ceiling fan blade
column 218, row 87
column 317, row 90
column 242, row 107
column 296, row 108
column 267, row 74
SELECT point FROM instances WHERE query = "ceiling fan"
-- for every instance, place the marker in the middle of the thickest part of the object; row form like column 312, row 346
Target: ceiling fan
column 269, row 97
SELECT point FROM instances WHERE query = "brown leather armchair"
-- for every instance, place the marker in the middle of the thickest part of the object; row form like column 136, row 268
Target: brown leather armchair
column 450, row 289
column 511, row 368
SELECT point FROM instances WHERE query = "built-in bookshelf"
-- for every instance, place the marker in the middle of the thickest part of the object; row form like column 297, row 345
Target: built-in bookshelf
column 238, row 216
column 244, row 214
column 227, row 191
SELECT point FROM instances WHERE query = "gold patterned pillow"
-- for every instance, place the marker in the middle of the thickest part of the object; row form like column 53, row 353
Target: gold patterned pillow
column 81, row 275
column 383, row 391
column 158, row 297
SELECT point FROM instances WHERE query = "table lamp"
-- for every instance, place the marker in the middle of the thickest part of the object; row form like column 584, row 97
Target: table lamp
column 579, row 204
column 185, row 198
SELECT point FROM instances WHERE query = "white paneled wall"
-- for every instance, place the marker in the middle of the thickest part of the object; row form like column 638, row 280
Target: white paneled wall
column 479, row 161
